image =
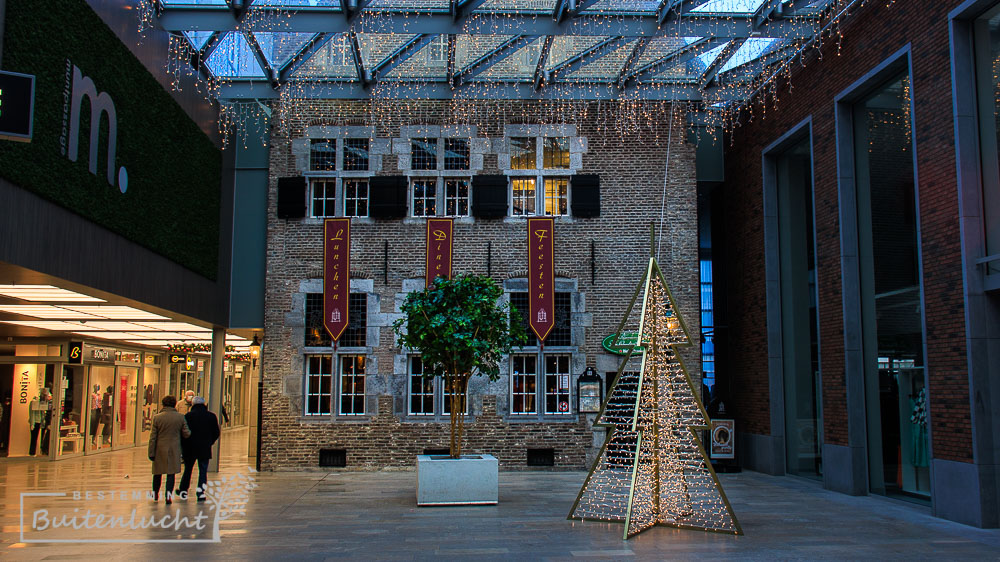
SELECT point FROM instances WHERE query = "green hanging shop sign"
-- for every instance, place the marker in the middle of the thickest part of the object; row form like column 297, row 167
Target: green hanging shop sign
column 620, row 344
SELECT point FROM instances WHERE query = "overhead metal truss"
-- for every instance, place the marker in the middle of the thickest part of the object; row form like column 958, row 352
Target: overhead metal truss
column 628, row 44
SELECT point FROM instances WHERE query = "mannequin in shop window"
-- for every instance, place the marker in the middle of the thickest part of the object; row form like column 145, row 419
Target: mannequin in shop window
column 107, row 409
column 95, row 413
column 39, row 416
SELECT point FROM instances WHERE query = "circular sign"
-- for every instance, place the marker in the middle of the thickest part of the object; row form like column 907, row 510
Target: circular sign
column 564, row 406
column 721, row 435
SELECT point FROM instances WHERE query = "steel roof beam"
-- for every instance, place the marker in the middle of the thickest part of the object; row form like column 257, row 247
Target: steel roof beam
column 769, row 10
column 680, row 55
column 541, row 75
column 359, row 63
column 664, row 9
column 316, row 21
column 311, row 47
column 258, row 54
column 720, row 61
column 634, row 57
column 460, row 9
column 248, row 89
column 404, row 53
column 586, row 56
column 501, row 53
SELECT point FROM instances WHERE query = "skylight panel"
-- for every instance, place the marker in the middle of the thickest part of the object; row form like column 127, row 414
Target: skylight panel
column 520, row 65
column 333, row 60
column 441, row 5
column 376, row 47
column 198, row 39
column 470, row 48
column 280, row 47
column 660, row 47
column 234, row 59
column 729, row 7
column 566, row 46
column 194, row 2
column 623, row 6
column 547, row 6
column 604, row 68
column 752, row 49
column 704, row 60
column 298, row 3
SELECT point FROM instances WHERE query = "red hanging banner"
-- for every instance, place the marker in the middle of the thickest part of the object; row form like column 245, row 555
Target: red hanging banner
column 336, row 274
column 439, row 246
column 541, row 276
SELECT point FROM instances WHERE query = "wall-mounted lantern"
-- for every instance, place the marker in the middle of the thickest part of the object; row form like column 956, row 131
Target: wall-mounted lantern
column 589, row 392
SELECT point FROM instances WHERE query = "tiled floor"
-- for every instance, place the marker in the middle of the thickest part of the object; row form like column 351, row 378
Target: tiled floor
column 373, row 516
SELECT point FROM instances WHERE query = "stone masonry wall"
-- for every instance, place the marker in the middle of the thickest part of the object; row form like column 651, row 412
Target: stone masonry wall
column 631, row 168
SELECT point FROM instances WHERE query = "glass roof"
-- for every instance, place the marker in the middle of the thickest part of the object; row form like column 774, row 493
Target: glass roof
column 533, row 48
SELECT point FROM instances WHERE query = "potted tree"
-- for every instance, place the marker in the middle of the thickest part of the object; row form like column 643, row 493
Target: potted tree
column 462, row 330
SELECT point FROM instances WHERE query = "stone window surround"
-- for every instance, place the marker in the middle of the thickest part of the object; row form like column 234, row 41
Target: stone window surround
column 377, row 148
column 577, row 148
column 294, row 384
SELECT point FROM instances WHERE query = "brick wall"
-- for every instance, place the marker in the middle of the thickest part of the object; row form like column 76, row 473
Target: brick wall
column 877, row 31
column 631, row 167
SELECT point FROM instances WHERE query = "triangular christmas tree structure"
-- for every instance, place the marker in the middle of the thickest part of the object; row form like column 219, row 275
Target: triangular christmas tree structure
column 653, row 469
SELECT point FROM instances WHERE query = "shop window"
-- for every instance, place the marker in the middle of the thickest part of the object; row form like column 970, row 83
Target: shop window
column 357, row 326
column 355, row 198
column 456, row 154
column 356, row 155
column 324, row 198
column 423, row 154
column 323, row 155
column 987, row 57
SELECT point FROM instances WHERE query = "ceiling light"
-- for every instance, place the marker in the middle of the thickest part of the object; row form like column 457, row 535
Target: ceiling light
column 118, row 312
column 175, row 326
column 45, row 293
column 48, row 324
column 46, row 311
column 108, row 335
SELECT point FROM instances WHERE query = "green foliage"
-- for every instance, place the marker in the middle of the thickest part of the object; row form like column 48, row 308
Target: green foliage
column 460, row 327
column 174, row 171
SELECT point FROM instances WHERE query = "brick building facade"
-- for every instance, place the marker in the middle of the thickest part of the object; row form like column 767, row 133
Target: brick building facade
column 598, row 261
column 931, row 44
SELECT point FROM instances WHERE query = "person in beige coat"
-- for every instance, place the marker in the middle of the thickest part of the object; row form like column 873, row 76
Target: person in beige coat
column 169, row 426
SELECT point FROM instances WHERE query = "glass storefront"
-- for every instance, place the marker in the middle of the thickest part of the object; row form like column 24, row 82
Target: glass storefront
column 102, row 407
column 26, row 390
column 892, row 310
column 72, row 411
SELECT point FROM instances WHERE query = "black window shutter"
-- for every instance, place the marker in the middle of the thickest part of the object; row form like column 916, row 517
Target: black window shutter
column 489, row 197
column 585, row 195
column 291, row 197
column 388, row 197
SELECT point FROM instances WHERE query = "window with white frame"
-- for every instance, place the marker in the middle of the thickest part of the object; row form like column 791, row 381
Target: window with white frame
column 335, row 378
column 456, row 197
column 424, row 200
column 324, row 197
column 352, row 385
column 319, row 385
column 336, row 176
column 539, row 181
column 355, row 197
column 557, row 384
column 428, row 396
column 552, row 389
column 323, row 155
column 523, row 384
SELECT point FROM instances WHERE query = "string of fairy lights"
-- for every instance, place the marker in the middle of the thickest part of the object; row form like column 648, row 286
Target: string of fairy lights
column 653, row 470
column 735, row 97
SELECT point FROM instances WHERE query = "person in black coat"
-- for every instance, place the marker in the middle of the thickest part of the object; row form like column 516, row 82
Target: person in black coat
column 204, row 428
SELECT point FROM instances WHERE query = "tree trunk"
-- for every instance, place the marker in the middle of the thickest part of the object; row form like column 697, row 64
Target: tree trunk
column 455, row 447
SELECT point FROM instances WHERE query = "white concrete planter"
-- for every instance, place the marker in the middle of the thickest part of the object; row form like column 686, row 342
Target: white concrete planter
column 442, row 480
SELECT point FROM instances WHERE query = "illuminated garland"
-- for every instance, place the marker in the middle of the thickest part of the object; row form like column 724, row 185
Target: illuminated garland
column 737, row 98
column 653, row 468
